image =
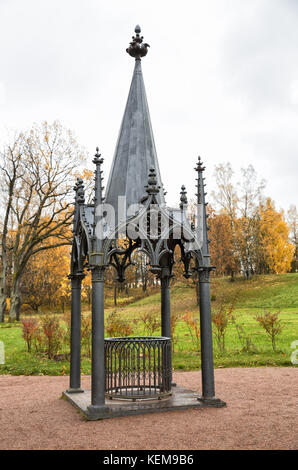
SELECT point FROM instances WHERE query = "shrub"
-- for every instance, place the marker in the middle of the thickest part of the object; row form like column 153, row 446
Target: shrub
column 86, row 332
column 30, row 327
column 38, row 340
column 52, row 335
column 116, row 326
column 271, row 324
column 193, row 328
column 244, row 338
column 220, row 319
column 66, row 330
column 175, row 317
column 150, row 322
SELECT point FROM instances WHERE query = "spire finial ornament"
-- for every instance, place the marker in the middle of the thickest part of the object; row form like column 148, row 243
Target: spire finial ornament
column 98, row 160
column 152, row 187
column 200, row 182
column 79, row 189
column 137, row 48
column 183, row 198
column 200, row 166
column 97, row 157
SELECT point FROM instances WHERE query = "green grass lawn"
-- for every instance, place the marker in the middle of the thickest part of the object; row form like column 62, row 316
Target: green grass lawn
column 278, row 292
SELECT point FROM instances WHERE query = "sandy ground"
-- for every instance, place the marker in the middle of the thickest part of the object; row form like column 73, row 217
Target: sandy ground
column 262, row 413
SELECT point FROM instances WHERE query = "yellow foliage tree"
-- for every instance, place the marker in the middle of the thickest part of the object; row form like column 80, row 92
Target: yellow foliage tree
column 45, row 280
column 37, row 170
column 274, row 239
column 222, row 248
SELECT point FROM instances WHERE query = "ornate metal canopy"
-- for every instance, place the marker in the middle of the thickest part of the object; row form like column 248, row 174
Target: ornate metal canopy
column 136, row 194
column 132, row 215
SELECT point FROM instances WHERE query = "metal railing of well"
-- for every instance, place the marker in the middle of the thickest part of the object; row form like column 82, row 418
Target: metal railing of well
column 138, row 367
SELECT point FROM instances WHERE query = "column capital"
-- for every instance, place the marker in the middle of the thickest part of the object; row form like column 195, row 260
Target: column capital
column 79, row 276
column 165, row 273
column 98, row 273
column 204, row 273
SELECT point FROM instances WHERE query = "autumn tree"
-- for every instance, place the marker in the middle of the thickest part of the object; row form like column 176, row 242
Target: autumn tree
column 240, row 204
column 226, row 199
column 11, row 175
column 222, row 249
column 37, row 174
column 247, row 226
column 44, row 276
column 274, row 239
column 292, row 219
column 86, row 288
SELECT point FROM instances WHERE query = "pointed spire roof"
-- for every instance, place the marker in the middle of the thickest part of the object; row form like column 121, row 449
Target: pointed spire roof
column 135, row 152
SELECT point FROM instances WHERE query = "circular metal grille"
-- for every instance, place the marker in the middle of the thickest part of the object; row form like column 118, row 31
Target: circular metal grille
column 137, row 367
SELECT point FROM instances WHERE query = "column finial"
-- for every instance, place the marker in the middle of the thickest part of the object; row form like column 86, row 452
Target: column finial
column 97, row 157
column 183, row 197
column 98, row 188
column 79, row 190
column 137, row 48
column 199, row 167
column 152, row 187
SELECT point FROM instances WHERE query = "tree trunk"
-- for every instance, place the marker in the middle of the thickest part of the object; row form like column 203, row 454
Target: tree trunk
column 115, row 295
column 15, row 303
column 3, row 278
column 2, row 307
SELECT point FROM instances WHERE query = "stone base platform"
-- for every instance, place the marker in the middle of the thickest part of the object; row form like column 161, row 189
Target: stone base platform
column 181, row 399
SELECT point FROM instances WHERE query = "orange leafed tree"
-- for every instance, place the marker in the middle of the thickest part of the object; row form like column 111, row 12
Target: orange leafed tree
column 222, row 248
column 292, row 218
column 37, row 172
column 45, row 279
column 277, row 250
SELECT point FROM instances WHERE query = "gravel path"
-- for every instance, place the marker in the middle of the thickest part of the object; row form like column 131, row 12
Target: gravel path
column 262, row 413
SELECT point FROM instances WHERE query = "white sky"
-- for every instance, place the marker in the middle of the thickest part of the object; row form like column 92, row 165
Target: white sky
column 221, row 79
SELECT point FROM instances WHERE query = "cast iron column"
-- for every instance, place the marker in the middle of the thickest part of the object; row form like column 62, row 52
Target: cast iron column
column 166, row 309
column 97, row 267
column 165, row 303
column 98, row 365
column 75, row 334
column 206, row 335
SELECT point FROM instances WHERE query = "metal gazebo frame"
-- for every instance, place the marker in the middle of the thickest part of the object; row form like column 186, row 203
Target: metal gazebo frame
column 95, row 247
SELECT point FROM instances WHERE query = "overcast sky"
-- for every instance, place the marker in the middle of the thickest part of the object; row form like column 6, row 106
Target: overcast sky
column 221, row 78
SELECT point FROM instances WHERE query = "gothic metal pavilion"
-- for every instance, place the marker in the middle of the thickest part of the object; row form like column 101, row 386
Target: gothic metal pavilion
column 135, row 177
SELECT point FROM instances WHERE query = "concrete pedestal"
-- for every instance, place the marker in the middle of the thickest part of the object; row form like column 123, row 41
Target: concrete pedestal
column 181, row 399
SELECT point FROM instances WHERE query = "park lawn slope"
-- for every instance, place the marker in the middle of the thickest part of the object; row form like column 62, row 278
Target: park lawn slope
column 270, row 292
